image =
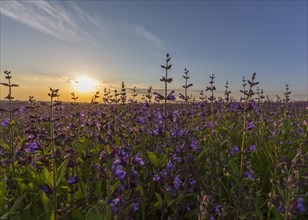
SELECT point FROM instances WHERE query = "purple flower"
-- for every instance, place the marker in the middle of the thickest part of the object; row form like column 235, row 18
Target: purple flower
column 192, row 182
column 249, row 175
column 134, row 172
column 117, row 200
column 170, row 165
column 101, row 170
column 115, row 151
column 235, row 150
column 156, row 177
column 46, row 188
column 181, row 132
column 250, row 149
column 193, row 145
column 138, row 160
column 73, row 180
column 212, row 125
column 250, row 125
column 116, row 163
column 282, row 208
column 168, row 188
column 298, row 206
column 103, row 157
column 135, row 207
column 217, row 210
column 6, row 122
column 176, row 158
column 32, row 147
column 114, row 204
column 177, row 182
column 160, row 119
column 120, row 174
column 146, row 104
column 141, row 120
column 163, row 172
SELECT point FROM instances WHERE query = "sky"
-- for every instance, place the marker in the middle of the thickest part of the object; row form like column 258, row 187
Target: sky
column 66, row 44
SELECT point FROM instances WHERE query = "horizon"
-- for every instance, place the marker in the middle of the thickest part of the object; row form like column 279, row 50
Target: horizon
column 87, row 46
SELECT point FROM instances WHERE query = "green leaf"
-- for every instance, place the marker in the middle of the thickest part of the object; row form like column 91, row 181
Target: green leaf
column 81, row 189
column 153, row 158
column 13, row 122
column 94, row 213
column 2, row 195
column 5, row 146
column 103, row 203
column 258, row 211
column 45, row 201
column 47, row 176
column 170, row 202
column 61, row 172
column 163, row 160
column 6, row 216
column 20, row 142
column 234, row 168
column 15, row 206
column 77, row 215
column 17, row 203
column 115, row 186
column 26, row 213
column 52, row 216
column 159, row 203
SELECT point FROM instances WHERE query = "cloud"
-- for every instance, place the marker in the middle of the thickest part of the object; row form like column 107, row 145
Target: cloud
column 151, row 38
column 64, row 21
column 34, row 78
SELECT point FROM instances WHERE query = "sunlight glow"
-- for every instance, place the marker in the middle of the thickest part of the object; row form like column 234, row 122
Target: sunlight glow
column 85, row 84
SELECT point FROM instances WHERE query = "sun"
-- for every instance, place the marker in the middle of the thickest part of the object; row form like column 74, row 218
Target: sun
column 85, row 84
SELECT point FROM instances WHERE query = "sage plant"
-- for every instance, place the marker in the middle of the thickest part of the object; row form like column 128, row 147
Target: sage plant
column 202, row 97
column 212, row 98
column 227, row 92
column 94, row 98
column 166, row 80
column 11, row 123
column 74, row 103
column 286, row 100
column 134, row 95
column 148, row 95
column 248, row 94
column 185, row 97
column 53, row 94
column 123, row 93
column 106, row 96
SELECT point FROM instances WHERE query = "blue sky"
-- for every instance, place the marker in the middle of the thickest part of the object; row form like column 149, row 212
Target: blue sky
column 53, row 43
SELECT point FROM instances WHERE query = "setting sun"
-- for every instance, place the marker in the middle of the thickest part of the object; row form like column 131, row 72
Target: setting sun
column 85, row 84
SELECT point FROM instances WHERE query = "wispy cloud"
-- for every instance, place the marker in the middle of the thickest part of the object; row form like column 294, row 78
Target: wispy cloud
column 29, row 77
column 62, row 20
column 151, row 38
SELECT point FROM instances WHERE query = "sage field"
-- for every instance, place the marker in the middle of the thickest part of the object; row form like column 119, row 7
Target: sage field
column 208, row 158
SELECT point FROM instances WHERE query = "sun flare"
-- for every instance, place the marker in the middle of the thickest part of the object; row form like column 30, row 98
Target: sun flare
column 85, row 84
